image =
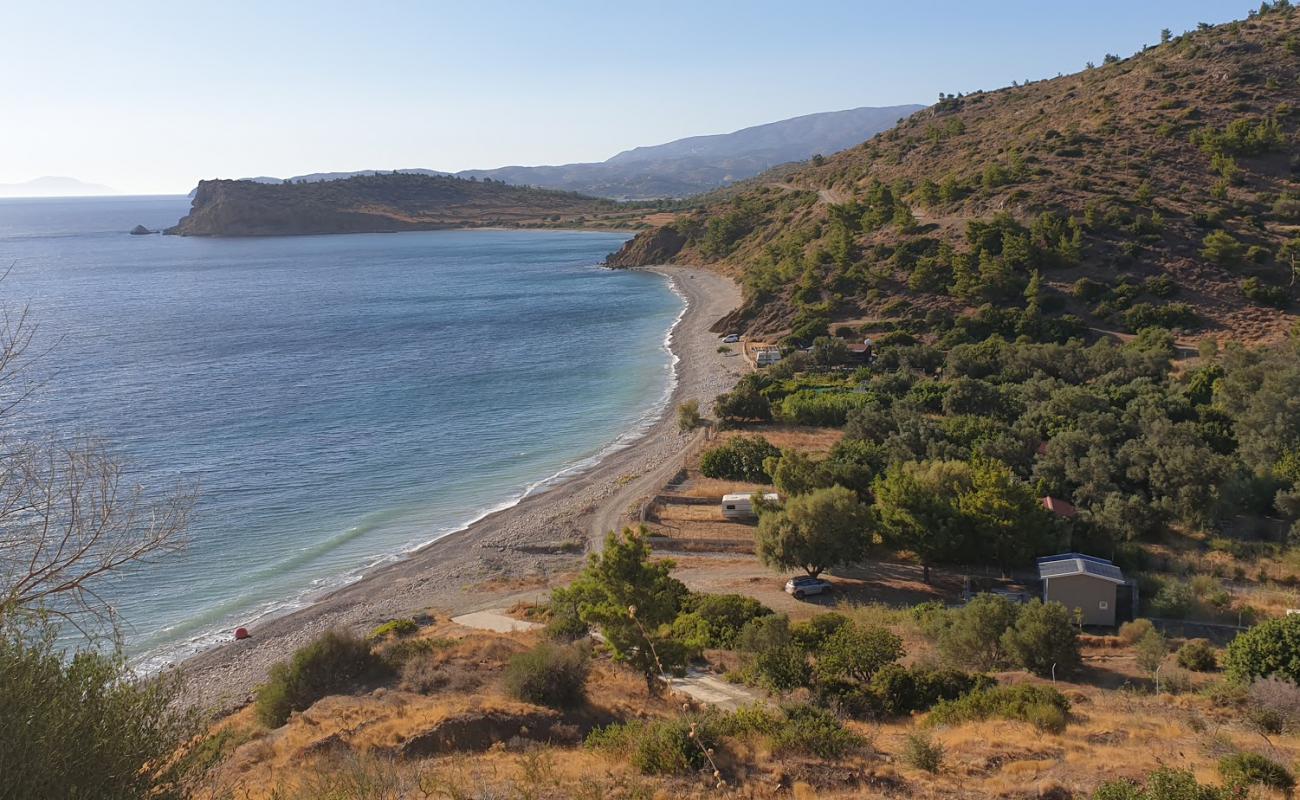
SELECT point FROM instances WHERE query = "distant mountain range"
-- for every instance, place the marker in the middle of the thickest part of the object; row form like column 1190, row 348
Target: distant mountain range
column 686, row 166
column 53, row 186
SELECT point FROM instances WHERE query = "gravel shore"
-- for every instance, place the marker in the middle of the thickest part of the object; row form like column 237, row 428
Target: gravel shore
column 489, row 562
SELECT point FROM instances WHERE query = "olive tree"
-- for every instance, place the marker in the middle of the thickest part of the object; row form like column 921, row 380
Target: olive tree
column 814, row 531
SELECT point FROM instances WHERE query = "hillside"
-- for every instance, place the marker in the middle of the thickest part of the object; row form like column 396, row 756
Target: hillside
column 381, row 203
column 701, row 163
column 686, row 166
column 1157, row 189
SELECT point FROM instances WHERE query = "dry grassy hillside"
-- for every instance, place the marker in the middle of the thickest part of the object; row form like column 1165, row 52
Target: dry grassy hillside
column 1117, row 174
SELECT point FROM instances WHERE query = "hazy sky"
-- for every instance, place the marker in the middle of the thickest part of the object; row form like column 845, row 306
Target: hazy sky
column 150, row 97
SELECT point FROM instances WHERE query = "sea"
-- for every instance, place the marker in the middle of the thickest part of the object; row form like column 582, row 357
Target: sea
column 338, row 401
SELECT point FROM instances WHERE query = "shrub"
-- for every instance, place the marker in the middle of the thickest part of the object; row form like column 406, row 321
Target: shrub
column 812, row 634
column 809, row 730
column 1151, row 651
column 1271, row 648
column 1044, row 638
column 1174, row 598
column 395, row 627
column 1042, row 706
column 1242, row 770
column 549, row 675
column 1131, row 633
column 1273, row 705
column 397, row 652
column 826, row 409
column 723, row 616
column 688, row 414
column 82, row 726
column 743, row 403
column 1221, row 248
column 1198, row 655
column 1257, row 291
column 1163, row 784
column 565, row 623
column 856, row 653
column 663, row 747
column 332, row 663
column 897, row 690
column 921, row 752
column 739, row 459
column 775, row 661
column 972, row 634
column 1170, row 315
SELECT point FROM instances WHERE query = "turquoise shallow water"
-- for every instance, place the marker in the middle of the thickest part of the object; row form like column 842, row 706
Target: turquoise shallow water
column 339, row 399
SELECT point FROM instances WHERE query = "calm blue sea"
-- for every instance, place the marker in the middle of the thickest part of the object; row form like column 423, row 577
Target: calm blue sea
column 338, row 399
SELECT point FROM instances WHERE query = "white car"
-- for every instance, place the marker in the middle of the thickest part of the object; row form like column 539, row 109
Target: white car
column 731, row 338
column 806, row 585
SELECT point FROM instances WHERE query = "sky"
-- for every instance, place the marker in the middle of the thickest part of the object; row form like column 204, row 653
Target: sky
column 149, row 97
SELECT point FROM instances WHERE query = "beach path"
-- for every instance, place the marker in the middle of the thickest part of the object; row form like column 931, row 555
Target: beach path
column 713, row 691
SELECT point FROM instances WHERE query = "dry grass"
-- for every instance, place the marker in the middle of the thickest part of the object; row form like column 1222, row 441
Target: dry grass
column 814, row 441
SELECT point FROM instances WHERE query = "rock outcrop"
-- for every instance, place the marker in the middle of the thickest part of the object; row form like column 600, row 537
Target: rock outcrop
column 657, row 246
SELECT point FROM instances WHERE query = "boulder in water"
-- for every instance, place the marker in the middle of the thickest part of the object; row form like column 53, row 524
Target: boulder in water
column 140, row 230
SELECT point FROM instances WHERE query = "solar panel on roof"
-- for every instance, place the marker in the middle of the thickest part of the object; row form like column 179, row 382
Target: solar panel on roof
column 1098, row 568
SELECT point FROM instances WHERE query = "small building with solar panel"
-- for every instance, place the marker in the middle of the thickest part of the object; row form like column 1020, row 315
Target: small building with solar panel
column 1088, row 584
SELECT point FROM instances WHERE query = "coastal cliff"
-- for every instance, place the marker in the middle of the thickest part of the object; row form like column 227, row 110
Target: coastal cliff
column 384, row 203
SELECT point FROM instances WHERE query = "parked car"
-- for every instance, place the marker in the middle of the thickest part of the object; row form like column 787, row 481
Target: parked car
column 731, row 338
column 806, row 585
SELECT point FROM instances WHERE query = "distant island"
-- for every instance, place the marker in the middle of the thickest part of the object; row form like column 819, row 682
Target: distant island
column 389, row 202
column 53, row 186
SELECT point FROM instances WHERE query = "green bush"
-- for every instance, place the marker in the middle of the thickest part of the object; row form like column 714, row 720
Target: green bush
column 1169, row 315
column 1174, row 598
column 1044, row 638
column 1163, row 784
column 1132, row 632
column 688, row 412
column 1042, row 706
column 813, row 633
column 330, row 664
column 921, row 752
column 1242, row 770
column 743, row 403
column 812, row 731
column 1271, row 648
column 1151, row 651
column 1198, row 655
column 680, row 745
column 1257, row 291
column 723, row 616
column 855, row 653
column 900, row 690
column 661, row 747
column 823, row 409
column 549, row 675
column 83, row 726
column 739, row 459
column 1221, row 248
column 773, row 659
column 396, row 627
column 972, row 634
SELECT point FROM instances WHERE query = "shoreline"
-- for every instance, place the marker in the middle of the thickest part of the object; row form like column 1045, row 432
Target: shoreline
column 519, row 547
